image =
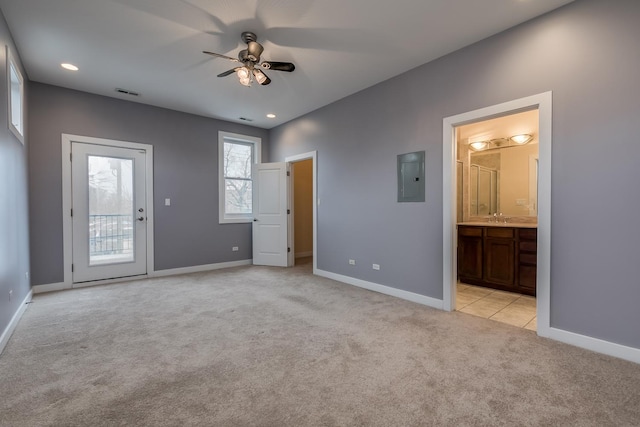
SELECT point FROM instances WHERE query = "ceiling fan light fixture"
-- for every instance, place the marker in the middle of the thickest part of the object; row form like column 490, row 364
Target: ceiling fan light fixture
column 244, row 76
column 261, row 77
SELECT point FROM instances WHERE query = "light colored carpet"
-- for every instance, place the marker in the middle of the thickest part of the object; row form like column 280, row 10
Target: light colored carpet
column 259, row 346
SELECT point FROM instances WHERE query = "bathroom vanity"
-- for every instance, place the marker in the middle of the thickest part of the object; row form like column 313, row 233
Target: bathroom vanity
column 499, row 256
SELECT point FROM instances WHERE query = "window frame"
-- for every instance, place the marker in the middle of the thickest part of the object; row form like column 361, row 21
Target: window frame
column 12, row 68
column 256, row 143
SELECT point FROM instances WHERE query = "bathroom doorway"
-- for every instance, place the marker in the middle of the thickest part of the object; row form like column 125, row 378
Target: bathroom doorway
column 497, row 221
column 507, row 240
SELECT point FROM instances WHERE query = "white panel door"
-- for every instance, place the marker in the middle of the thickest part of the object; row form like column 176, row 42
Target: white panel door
column 109, row 212
column 270, row 197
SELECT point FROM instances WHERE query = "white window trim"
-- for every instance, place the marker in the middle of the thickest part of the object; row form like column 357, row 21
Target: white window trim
column 12, row 64
column 224, row 218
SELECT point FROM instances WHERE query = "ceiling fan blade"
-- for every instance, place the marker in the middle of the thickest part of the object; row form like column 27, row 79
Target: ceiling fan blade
column 228, row 72
column 278, row 66
column 218, row 55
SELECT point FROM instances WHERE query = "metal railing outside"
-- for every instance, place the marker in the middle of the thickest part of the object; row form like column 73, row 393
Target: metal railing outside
column 110, row 234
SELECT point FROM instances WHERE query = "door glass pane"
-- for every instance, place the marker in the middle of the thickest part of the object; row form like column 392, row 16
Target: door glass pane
column 111, row 210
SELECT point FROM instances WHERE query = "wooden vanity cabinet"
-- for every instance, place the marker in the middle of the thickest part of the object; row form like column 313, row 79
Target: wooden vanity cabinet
column 527, row 260
column 470, row 241
column 498, row 257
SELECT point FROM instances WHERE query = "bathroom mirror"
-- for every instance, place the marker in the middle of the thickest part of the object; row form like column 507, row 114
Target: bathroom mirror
column 499, row 162
column 504, row 180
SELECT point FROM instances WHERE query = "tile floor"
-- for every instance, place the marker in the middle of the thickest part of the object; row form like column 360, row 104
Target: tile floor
column 506, row 307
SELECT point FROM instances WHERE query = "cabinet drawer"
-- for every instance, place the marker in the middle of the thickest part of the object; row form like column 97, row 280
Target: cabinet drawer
column 507, row 233
column 470, row 231
column 527, row 233
column 528, row 259
column 528, row 246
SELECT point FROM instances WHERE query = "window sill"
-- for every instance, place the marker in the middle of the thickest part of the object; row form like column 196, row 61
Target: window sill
column 235, row 220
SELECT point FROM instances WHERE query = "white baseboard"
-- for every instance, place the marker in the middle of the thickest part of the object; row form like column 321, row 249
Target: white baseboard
column 50, row 287
column 594, row 344
column 304, row 254
column 200, row 268
column 406, row 295
column 4, row 338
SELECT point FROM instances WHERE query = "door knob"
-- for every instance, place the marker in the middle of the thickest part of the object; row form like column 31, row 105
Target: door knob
column 255, row 219
column 140, row 218
column 140, row 210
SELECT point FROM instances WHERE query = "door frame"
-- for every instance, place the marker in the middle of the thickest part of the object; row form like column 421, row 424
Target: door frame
column 543, row 102
column 313, row 155
column 67, row 224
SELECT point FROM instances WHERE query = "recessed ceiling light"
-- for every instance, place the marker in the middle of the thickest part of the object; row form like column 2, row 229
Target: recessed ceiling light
column 271, row 116
column 69, row 67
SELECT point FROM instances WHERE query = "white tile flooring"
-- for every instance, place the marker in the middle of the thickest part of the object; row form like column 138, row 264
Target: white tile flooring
column 506, row 307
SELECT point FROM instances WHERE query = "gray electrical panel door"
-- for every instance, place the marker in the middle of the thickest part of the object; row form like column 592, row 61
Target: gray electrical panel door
column 411, row 177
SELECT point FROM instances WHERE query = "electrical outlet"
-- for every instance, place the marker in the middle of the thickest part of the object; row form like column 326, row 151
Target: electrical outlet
column 376, row 266
column 352, row 262
column 26, row 275
column 10, row 294
column 167, row 202
column 234, row 249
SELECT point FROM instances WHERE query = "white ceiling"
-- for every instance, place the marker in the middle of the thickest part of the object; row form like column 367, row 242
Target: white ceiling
column 154, row 47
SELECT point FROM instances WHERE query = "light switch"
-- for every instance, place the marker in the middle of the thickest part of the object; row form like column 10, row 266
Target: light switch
column 167, row 202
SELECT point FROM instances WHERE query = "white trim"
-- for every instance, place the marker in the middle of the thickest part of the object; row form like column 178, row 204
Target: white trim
column 594, row 344
column 4, row 338
column 387, row 290
column 109, row 281
column 201, row 268
column 223, row 217
column 11, row 63
column 313, row 155
column 304, row 254
column 543, row 102
column 49, row 287
column 67, row 241
column 53, row 287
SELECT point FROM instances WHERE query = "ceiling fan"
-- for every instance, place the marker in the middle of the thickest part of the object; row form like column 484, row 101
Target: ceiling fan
column 251, row 65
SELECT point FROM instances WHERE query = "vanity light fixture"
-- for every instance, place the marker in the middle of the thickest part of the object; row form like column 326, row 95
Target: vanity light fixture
column 69, row 67
column 522, row 138
column 479, row 145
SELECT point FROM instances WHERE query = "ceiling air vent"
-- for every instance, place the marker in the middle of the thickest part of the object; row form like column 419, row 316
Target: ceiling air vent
column 127, row 92
column 245, row 119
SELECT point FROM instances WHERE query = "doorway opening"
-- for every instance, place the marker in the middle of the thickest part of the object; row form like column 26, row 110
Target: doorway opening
column 502, row 240
column 496, row 186
column 302, row 211
column 303, row 204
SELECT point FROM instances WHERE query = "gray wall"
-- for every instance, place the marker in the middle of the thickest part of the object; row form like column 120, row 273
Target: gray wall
column 14, row 212
column 185, row 151
column 587, row 54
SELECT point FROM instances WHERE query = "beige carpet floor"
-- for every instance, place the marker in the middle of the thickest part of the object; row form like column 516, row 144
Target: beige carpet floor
column 259, row 346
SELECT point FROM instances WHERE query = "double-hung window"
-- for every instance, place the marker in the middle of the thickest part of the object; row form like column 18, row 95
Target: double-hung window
column 16, row 97
column 236, row 156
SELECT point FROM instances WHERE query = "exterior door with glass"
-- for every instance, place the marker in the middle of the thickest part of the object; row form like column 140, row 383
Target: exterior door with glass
column 108, row 212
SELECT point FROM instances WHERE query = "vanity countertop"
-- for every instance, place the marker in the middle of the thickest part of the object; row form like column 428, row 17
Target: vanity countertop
column 500, row 224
